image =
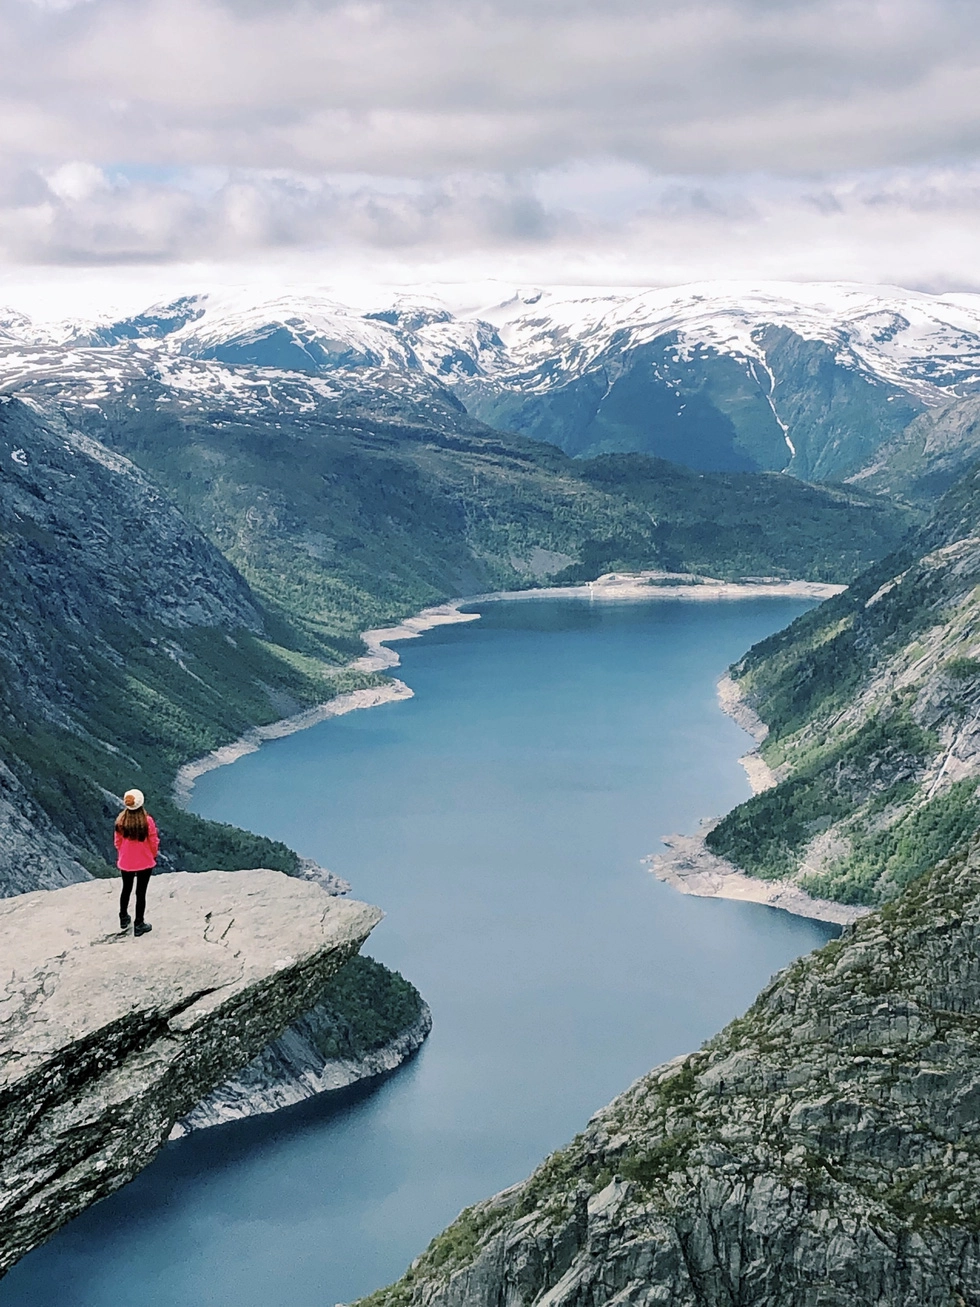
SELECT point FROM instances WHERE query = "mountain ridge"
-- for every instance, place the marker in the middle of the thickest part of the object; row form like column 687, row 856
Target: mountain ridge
column 772, row 376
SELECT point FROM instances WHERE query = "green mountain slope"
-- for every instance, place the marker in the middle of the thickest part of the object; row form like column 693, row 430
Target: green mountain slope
column 127, row 645
column 921, row 463
column 733, row 524
column 344, row 519
column 873, row 706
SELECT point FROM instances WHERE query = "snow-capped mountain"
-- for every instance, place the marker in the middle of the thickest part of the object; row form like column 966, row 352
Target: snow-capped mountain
column 207, row 354
column 806, row 378
column 908, row 338
column 810, row 379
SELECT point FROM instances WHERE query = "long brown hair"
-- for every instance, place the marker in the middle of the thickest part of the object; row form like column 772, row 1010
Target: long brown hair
column 132, row 824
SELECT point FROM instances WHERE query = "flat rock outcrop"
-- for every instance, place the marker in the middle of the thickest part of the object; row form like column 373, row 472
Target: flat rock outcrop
column 823, row 1151
column 107, row 1040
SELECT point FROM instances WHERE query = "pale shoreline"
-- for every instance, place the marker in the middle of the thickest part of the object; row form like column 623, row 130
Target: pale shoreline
column 378, row 658
column 669, row 585
column 691, row 868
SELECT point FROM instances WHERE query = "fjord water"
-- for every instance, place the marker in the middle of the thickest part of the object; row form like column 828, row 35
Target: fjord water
column 500, row 818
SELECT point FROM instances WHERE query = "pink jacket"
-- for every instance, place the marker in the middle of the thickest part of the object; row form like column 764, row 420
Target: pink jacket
column 138, row 855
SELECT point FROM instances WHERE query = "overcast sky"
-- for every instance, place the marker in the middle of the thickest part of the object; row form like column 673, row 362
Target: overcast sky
column 621, row 141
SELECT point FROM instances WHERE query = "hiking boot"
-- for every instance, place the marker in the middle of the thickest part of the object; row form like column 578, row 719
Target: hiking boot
column 142, row 928
column 124, row 920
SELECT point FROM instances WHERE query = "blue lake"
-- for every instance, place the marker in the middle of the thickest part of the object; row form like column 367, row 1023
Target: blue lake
column 500, row 818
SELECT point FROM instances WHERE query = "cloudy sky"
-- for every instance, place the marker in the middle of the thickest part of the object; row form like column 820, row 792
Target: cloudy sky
column 574, row 141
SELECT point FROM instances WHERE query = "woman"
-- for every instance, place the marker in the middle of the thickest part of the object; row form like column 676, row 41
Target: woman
column 137, row 844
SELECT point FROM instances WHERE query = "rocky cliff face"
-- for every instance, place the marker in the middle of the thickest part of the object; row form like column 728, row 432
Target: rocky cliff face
column 33, row 853
column 108, row 1040
column 821, row 1152
column 294, row 1068
column 366, row 1022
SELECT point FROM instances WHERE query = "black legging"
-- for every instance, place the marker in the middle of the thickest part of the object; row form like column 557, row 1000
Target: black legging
column 142, row 879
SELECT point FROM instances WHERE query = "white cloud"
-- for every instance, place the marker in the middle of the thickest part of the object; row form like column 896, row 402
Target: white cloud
column 78, row 181
column 420, row 87
column 755, row 137
column 593, row 221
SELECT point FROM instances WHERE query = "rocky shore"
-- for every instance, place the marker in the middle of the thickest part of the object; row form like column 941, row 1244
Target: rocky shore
column 690, row 867
column 672, row 585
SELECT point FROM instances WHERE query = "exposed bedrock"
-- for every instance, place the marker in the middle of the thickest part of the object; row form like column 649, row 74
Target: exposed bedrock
column 823, row 1151
column 366, row 1023
column 106, row 1040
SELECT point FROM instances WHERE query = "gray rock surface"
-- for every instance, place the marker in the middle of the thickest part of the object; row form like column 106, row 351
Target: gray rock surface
column 291, row 1069
column 107, row 1040
column 823, row 1151
column 33, row 853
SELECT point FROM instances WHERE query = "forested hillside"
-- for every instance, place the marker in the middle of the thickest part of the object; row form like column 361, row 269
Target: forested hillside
column 212, row 570
column 344, row 520
column 127, row 644
column 873, row 706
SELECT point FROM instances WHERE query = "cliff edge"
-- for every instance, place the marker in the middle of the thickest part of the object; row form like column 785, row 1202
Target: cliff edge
column 107, row 1040
column 823, row 1151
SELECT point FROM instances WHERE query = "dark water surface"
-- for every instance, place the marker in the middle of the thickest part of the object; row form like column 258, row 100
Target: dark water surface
column 499, row 817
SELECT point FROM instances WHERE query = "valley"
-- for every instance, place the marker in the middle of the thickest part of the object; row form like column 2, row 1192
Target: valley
column 204, row 505
column 322, row 465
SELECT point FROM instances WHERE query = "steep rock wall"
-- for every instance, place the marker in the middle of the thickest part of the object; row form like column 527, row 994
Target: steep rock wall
column 823, row 1151
column 292, row 1068
column 33, row 853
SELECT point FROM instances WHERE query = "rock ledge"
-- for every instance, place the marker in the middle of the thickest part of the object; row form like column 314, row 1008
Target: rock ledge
column 106, row 1040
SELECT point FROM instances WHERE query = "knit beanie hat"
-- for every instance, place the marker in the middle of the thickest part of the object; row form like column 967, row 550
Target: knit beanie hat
column 133, row 799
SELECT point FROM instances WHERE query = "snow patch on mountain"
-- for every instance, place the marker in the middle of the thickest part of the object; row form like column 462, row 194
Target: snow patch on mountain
column 894, row 352
column 923, row 343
